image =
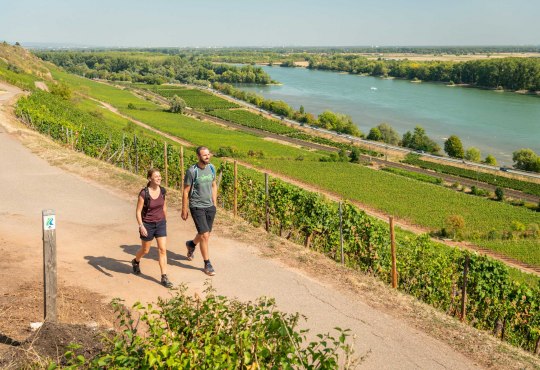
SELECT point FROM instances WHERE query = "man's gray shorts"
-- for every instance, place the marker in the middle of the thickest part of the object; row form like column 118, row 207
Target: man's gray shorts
column 203, row 218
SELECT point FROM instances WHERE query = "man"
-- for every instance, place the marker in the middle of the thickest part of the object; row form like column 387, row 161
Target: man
column 200, row 193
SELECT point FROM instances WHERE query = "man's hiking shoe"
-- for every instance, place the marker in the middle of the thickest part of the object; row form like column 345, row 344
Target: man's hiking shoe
column 209, row 270
column 165, row 281
column 190, row 250
column 136, row 268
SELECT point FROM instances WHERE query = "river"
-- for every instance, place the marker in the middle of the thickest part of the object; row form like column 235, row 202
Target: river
column 497, row 123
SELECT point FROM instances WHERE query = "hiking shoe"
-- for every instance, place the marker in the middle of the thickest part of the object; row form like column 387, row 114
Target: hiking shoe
column 190, row 250
column 209, row 270
column 136, row 268
column 165, row 281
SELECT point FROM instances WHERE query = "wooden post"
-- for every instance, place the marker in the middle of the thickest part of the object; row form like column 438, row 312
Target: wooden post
column 123, row 147
column 341, row 232
column 165, row 164
column 537, row 348
column 182, row 167
column 49, row 264
column 267, row 202
column 136, row 154
column 393, row 248
column 464, row 289
column 235, row 204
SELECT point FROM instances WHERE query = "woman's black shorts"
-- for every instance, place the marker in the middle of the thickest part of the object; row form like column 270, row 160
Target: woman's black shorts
column 154, row 229
column 203, row 218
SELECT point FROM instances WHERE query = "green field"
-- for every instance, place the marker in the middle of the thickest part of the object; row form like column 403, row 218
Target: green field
column 249, row 119
column 101, row 91
column 215, row 136
column 423, row 204
column 194, row 98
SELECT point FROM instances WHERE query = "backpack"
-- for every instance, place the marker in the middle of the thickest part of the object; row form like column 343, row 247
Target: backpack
column 195, row 169
column 147, row 198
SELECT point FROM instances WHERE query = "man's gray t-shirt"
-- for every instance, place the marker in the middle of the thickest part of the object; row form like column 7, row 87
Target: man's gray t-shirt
column 201, row 189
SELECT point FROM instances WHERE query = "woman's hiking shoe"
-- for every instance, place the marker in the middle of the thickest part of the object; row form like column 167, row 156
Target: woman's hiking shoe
column 136, row 268
column 190, row 250
column 208, row 269
column 165, row 281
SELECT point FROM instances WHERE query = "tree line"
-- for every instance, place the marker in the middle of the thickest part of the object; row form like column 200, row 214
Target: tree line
column 502, row 73
column 154, row 69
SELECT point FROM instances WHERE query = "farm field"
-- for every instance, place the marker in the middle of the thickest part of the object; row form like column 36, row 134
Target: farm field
column 249, row 119
column 424, row 204
column 194, row 98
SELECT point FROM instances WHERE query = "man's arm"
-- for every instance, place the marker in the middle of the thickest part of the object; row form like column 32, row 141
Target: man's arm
column 214, row 192
column 185, row 202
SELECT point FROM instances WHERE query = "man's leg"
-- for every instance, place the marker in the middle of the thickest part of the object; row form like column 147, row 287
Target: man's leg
column 202, row 239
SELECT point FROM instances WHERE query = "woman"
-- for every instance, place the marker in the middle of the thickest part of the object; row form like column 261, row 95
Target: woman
column 152, row 218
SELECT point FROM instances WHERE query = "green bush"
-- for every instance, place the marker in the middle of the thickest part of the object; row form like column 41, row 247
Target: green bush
column 187, row 332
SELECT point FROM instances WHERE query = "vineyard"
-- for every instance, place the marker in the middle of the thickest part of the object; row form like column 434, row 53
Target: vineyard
column 194, row 98
column 248, row 119
column 524, row 186
column 424, row 204
column 431, row 272
column 414, row 175
column 428, row 271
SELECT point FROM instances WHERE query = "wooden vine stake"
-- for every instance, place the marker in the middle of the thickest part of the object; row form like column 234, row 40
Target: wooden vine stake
column 267, row 202
column 393, row 246
column 235, row 204
column 464, row 289
column 166, row 164
column 182, row 167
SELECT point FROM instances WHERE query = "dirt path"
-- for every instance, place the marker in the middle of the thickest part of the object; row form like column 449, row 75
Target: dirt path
column 404, row 224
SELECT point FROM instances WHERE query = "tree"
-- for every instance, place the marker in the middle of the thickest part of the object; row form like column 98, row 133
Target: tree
column 301, row 110
column 355, row 154
column 375, row 134
column 526, row 159
column 178, row 105
column 419, row 140
column 453, row 147
column 491, row 160
column 499, row 193
column 389, row 135
column 473, row 155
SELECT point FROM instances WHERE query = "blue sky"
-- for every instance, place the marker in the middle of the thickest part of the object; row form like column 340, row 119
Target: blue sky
column 271, row 22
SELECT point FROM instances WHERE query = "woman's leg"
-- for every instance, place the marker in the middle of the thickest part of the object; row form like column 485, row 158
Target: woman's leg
column 145, row 247
column 162, row 249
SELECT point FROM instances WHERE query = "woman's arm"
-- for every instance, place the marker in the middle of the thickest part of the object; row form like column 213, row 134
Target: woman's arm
column 138, row 215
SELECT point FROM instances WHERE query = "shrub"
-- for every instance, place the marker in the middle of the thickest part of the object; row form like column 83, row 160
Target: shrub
column 454, row 225
column 178, row 105
column 499, row 193
column 216, row 333
column 227, row 151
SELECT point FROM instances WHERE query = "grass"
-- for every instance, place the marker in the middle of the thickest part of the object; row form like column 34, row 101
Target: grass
column 214, row 136
column 117, row 97
column 526, row 250
column 194, row 98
